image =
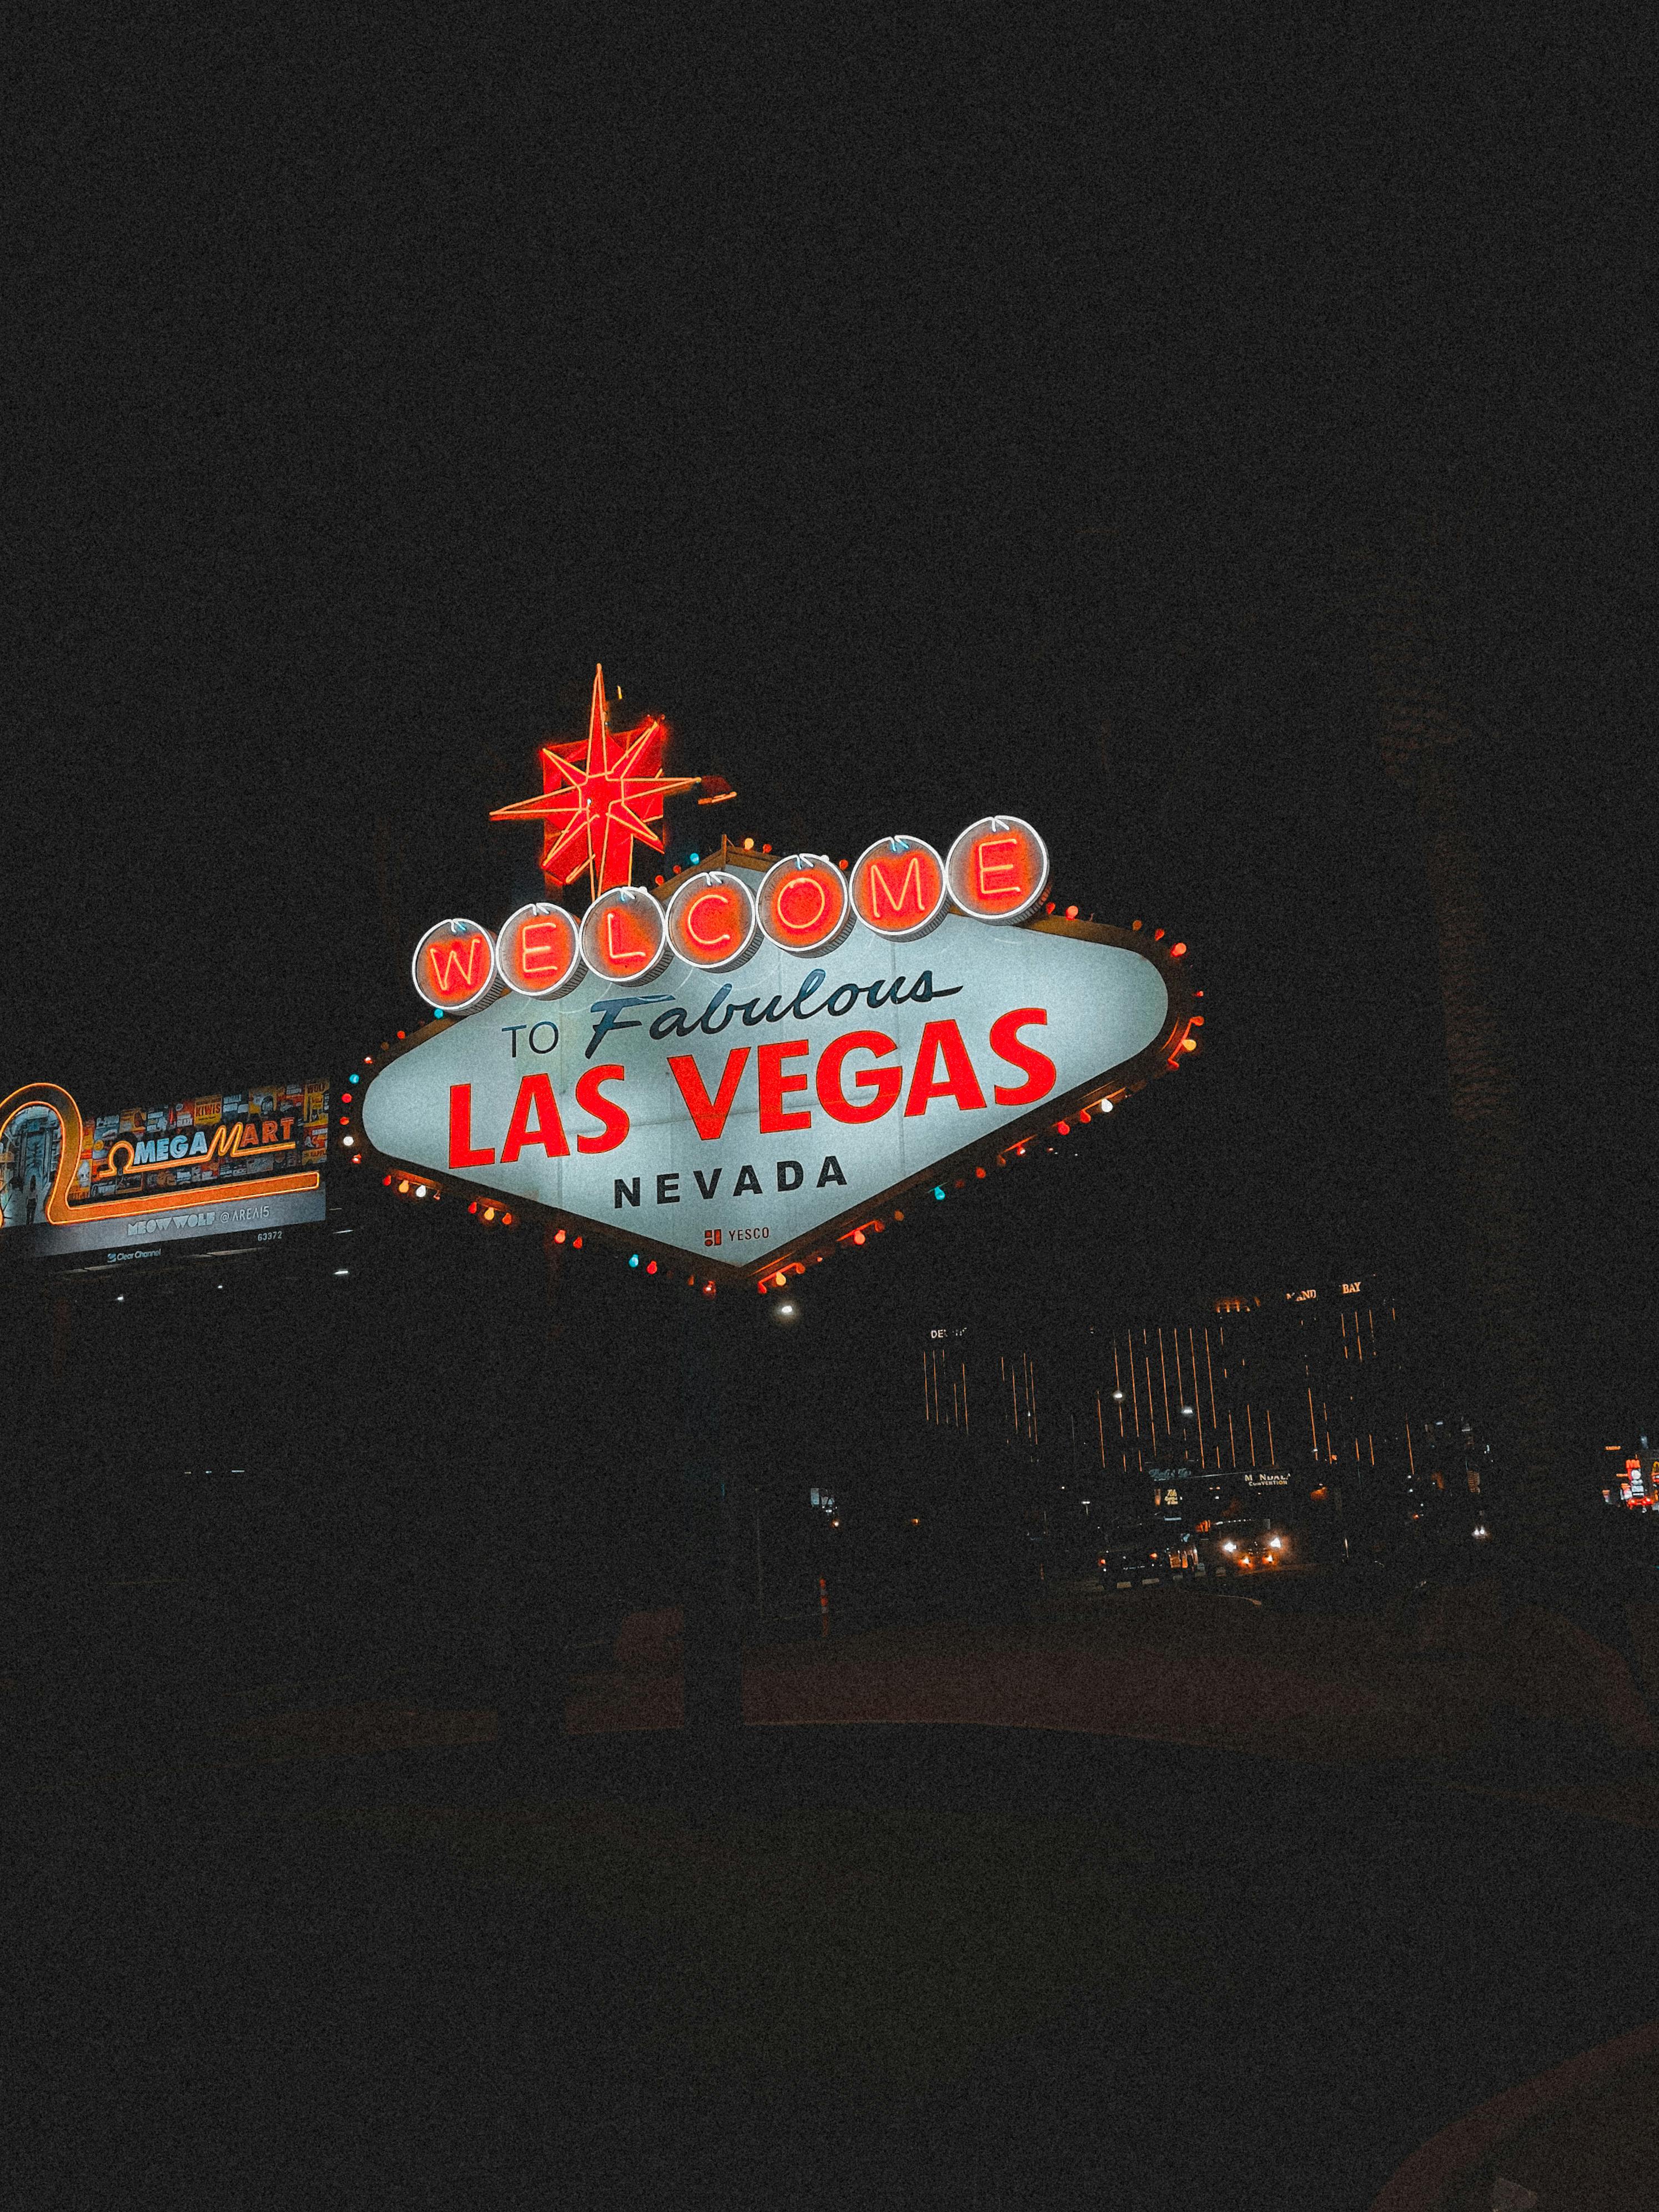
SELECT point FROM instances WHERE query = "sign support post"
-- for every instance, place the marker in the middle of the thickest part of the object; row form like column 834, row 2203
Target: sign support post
column 712, row 1641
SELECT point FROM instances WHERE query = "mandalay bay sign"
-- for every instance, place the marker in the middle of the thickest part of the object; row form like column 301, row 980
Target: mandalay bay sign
column 737, row 1068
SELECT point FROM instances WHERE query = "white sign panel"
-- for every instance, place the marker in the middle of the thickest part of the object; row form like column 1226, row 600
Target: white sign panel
column 735, row 1116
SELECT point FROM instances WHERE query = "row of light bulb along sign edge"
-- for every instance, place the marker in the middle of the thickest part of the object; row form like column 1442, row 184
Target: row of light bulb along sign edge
column 491, row 1213
column 488, row 1211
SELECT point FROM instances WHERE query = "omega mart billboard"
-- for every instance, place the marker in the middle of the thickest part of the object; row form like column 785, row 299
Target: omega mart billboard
column 668, row 1070
column 229, row 1161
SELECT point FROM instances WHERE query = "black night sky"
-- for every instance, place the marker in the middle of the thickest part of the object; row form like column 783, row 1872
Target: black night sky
column 985, row 410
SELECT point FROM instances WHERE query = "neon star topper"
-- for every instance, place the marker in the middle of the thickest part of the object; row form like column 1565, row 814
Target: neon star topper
column 600, row 795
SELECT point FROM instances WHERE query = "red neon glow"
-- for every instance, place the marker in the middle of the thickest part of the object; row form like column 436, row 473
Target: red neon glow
column 600, row 795
column 711, row 921
column 998, row 869
column 803, row 904
column 774, row 1118
column 1037, row 1067
column 623, row 936
column 898, row 887
column 457, row 967
column 707, row 1115
column 454, row 966
column 463, row 1153
column 535, row 1121
column 592, row 1100
column 942, row 1041
column 539, row 951
column 880, row 1086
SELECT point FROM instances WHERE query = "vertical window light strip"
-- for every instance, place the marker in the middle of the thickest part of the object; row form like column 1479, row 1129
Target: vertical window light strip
column 1163, row 1372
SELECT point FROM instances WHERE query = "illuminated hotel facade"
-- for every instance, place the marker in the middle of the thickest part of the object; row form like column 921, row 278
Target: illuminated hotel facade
column 1321, row 1387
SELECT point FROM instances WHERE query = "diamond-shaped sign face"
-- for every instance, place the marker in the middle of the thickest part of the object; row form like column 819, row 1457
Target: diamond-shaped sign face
column 735, row 1118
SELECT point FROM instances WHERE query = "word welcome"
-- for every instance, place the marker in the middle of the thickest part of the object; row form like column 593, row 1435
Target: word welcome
column 901, row 888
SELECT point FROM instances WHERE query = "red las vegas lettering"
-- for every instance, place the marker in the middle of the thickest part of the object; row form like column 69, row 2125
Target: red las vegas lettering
column 1037, row 1067
column 942, row 1070
column 707, row 1115
column 463, row 1153
column 592, row 1100
column 880, row 1086
column 774, row 1116
column 535, row 1121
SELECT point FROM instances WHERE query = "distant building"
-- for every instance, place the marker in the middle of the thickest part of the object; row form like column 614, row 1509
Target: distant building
column 1323, row 1394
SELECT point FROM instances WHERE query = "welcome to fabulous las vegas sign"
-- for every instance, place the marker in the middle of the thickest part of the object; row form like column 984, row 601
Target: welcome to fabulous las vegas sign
column 739, row 1068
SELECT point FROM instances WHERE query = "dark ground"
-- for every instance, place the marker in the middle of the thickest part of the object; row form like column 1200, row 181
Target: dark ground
column 247, row 1986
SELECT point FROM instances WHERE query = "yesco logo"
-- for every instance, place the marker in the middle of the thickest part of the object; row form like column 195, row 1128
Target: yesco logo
column 716, row 920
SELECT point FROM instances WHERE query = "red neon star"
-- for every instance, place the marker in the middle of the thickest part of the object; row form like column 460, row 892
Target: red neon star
column 600, row 793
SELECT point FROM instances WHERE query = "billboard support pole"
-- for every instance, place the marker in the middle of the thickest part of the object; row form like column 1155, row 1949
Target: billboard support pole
column 712, row 1637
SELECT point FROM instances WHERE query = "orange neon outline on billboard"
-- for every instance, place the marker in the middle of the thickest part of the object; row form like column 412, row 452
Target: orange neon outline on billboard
column 59, row 1213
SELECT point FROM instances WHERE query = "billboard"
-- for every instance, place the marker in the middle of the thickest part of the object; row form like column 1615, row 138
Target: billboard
column 740, row 1098
column 248, row 1160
